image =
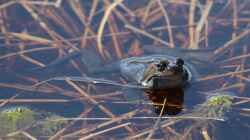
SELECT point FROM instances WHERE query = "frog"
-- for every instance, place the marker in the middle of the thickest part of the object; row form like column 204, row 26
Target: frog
column 168, row 68
column 156, row 71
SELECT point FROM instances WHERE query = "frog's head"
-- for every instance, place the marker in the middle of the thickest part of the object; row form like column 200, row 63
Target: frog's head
column 168, row 68
column 169, row 74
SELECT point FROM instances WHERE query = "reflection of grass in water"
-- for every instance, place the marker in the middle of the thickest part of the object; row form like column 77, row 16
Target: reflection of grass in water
column 53, row 25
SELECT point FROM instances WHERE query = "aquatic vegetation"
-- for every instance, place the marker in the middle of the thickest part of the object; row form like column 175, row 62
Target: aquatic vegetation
column 49, row 125
column 38, row 123
column 99, row 54
column 225, row 101
column 216, row 106
column 16, row 118
column 203, row 118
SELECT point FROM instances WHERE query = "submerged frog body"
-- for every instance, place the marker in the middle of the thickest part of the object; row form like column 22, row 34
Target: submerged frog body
column 156, row 71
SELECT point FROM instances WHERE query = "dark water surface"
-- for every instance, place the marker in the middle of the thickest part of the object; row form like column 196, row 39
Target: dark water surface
column 74, row 26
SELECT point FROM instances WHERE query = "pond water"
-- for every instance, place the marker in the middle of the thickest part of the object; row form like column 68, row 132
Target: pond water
column 101, row 66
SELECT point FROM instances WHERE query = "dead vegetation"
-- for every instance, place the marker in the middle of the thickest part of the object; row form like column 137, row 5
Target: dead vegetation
column 35, row 33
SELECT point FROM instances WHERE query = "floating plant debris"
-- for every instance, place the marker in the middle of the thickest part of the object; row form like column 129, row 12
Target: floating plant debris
column 124, row 69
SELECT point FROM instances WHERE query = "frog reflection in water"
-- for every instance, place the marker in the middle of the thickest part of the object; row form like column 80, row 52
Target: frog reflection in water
column 174, row 100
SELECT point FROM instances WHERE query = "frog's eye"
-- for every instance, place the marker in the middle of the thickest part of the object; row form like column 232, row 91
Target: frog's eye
column 179, row 62
column 162, row 65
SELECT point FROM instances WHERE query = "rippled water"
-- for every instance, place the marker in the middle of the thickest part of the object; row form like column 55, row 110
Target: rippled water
column 99, row 90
